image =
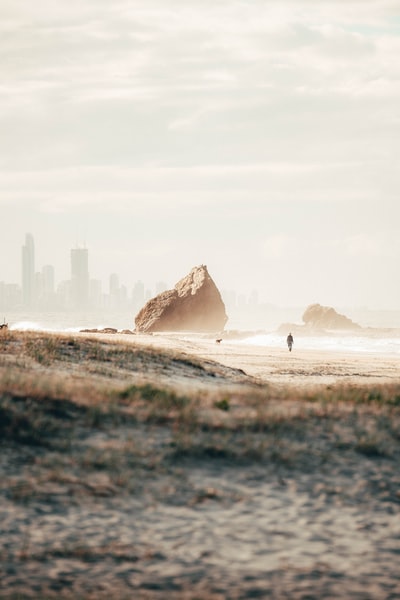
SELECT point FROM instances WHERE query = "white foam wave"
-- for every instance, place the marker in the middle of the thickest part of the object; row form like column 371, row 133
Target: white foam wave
column 35, row 326
column 53, row 328
column 334, row 343
column 28, row 326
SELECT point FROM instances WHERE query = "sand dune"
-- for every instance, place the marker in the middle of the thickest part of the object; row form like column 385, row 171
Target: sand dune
column 157, row 467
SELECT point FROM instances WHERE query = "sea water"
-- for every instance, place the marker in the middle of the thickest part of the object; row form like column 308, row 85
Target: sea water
column 373, row 343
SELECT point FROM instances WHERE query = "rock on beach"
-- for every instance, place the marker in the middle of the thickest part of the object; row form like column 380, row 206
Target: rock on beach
column 194, row 304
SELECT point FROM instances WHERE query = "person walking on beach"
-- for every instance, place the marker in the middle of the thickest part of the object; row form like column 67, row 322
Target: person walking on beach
column 289, row 341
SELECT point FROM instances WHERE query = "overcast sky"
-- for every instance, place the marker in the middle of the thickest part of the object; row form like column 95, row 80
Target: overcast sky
column 260, row 138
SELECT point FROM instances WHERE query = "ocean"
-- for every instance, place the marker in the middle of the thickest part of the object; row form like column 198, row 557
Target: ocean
column 381, row 342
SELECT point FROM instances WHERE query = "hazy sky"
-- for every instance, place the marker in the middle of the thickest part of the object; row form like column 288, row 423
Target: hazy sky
column 260, row 138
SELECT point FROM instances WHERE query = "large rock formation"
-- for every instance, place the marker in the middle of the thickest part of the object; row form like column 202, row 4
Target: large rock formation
column 194, row 304
column 325, row 317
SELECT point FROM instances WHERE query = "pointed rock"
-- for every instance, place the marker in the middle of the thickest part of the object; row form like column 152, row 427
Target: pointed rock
column 194, row 304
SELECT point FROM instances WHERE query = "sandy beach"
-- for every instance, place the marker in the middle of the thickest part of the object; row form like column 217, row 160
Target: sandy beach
column 278, row 366
column 154, row 467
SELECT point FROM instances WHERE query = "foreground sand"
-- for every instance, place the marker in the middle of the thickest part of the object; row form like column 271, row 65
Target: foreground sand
column 261, row 474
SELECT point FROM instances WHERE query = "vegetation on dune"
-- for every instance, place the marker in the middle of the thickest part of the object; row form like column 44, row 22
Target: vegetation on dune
column 55, row 388
column 388, row 395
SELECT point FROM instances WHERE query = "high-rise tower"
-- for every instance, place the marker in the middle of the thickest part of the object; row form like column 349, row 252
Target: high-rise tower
column 48, row 280
column 79, row 277
column 28, row 271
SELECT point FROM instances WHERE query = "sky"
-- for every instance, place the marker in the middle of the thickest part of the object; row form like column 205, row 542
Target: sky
column 259, row 138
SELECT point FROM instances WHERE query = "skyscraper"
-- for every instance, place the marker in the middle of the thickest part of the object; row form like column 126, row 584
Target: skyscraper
column 48, row 280
column 28, row 271
column 79, row 277
column 138, row 294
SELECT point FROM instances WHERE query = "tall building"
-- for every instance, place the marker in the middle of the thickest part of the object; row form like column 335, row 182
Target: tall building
column 138, row 294
column 114, row 290
column 48, row 280
column 79, row 277
column 28, row 271
column 114, row 284
column 161, row 286
column 45, row 290
column 95, row 293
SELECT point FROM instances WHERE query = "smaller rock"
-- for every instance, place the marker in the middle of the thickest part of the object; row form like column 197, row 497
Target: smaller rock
column 105, row 330
column 326, row 317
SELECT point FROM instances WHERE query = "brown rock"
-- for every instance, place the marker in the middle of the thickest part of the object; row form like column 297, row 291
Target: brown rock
column 105, row 330
column 325, row 317
column 194, row 304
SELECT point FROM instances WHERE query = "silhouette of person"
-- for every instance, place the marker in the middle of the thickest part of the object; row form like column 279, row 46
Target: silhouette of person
column 289, row 341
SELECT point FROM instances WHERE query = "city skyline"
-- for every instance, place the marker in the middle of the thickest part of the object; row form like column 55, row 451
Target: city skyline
column 28, row 270
column 38, row 287
column 51, row 273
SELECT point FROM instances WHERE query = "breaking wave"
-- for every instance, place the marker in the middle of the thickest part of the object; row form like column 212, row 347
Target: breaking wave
column 347, row 343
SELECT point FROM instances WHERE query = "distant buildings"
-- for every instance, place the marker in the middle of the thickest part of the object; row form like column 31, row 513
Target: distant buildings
column 48, row 281
column 10, row 295
column 79, row 278
column 38, row 289
column 138, row 294
column 95, row 293
column 28, row 271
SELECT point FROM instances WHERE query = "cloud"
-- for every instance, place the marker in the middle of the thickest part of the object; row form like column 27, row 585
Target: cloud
column 372, row 245
column 277, row 246
column 196, row 67
column 233, row 187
